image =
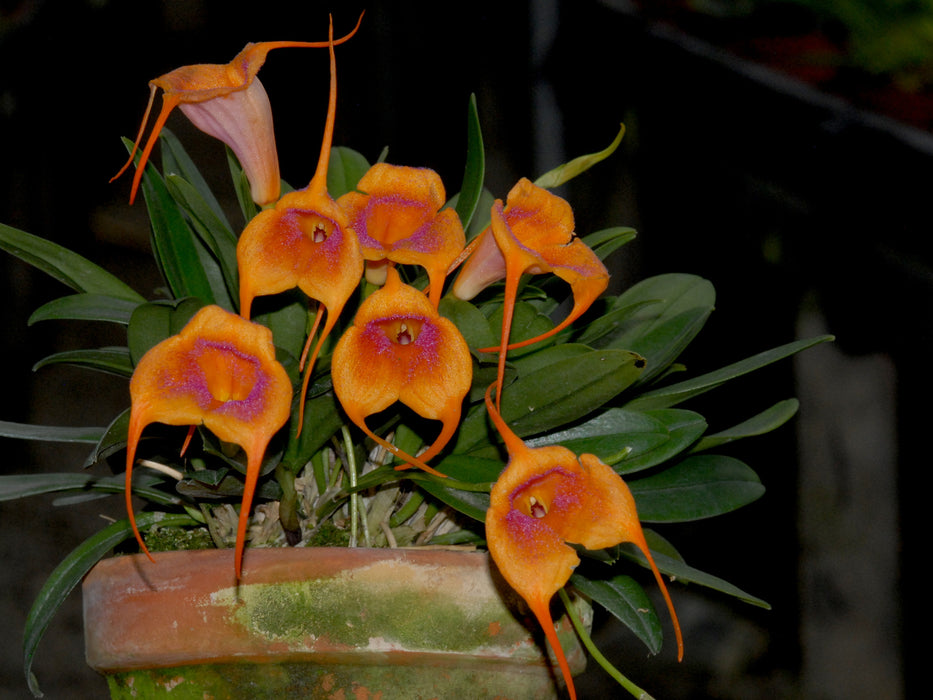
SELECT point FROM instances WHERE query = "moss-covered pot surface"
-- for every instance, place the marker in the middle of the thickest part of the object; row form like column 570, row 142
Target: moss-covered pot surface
column 315, row 623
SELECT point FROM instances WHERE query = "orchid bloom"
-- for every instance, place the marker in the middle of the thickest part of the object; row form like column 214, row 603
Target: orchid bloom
column 305, row 242
column 228, row 102
column 220, row 372
column 544, row 498
column 397, row 215
column 400, row 349
column 533, row 234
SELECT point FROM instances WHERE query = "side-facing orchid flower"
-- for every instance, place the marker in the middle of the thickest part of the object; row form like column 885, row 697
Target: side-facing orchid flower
column 397, row 216
column 545, row 498
column 220, row 372
column 305, row 241
column 533, row 233
column 226, row 101
column 400, row 349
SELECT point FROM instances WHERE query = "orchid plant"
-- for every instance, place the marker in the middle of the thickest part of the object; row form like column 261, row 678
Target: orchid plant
column 371, row 362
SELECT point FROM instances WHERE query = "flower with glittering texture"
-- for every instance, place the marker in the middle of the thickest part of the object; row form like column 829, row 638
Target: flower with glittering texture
column 534, row 234
column 400, row 349
column 398, row 216
column 219, row 372
column 545, row 498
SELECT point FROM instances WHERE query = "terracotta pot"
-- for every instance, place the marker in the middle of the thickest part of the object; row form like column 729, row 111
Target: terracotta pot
column 316, row 623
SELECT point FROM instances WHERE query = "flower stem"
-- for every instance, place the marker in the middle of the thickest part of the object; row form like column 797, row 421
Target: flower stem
column 351, row 473
column 635, row 691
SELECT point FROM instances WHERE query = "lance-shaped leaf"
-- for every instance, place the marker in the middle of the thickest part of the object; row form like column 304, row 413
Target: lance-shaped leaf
column 546, row 498
column 220, row 371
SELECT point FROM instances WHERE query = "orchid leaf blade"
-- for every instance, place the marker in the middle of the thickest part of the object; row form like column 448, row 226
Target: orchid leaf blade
column 474, row 171
column 64, row 265
column 345, row 170
column 113, row 439
column 699, row 487
column 683, row 572
column 677, row 393
column 50, row 433
column 627, row 601
column 562, row 173
column 176, row 161
column 173, row 241
column 213, row 231
column 69, row 573
column 607, row 241
column 666, row 313
column 764, row 422
column 86, row 307
column 241, row 186
column 566, row 390
column 153, row 322
column 112, row 360
column 630, row 441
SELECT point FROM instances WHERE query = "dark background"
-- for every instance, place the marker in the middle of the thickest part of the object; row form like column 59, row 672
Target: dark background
column 807, row 215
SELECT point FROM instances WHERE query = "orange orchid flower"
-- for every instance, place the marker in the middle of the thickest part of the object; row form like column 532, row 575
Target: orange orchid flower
column 400, row 349
column 533, row 234
column 544, row 498
column 220, row 372
column 397, row 216
column 228, row 102
column 305, row 241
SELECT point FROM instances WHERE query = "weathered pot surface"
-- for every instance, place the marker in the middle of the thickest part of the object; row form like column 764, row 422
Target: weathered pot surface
column 316, row 623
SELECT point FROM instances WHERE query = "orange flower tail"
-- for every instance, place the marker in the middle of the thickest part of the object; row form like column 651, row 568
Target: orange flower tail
column 643, row 546
column 253, row 467
column 133, row 434
column 542, row 611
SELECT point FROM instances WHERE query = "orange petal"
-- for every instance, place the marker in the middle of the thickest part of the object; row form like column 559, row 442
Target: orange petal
column 397, row 215
column 220, row 372
column 400, row 349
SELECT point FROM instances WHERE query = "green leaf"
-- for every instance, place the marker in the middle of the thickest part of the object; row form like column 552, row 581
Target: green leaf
column 568, row 389
column 474, row 171
column 215, row 234
column 112, row 441
column 607, row 241
column 627, row 601
column 701, row 486
column 667, row 313
column 176, row 161
column 344, row 171
column 67, row 267
column 86, row 307
column 72, row 570
column 475, row 473
column 15, row 486
column 630, row 441
column 322, row 419
column 50, row 433
column 173, row 241
column 112, row 360
column 153, row 322
column 764, row 422
column 470, row 321
column 677, row 393
column 680, row 571
column 562, row 173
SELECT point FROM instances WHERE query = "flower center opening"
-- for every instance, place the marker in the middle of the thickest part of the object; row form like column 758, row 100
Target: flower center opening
column 536, row 509
column 402, row 331
column 228, row 375
column 315, row 228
